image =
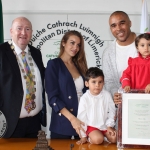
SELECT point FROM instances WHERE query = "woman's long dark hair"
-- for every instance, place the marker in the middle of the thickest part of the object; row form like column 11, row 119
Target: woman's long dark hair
column 79, row 59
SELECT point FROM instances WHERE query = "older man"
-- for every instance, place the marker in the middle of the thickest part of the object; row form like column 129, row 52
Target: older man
column 21, row 82
column 115, row 56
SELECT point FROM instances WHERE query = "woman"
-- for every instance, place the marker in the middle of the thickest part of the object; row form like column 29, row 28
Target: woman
column 64, row 80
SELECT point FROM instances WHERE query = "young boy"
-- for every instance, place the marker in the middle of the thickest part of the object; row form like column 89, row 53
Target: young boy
column 97, row 110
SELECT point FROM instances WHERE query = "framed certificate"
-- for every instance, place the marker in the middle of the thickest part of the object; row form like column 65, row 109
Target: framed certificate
column 134, row 121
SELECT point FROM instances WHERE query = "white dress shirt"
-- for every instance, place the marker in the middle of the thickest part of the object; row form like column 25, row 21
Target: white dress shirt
column 38, row 86
column 96, row 111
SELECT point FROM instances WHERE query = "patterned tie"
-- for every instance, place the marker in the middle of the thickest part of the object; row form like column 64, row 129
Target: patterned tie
column 30, row 90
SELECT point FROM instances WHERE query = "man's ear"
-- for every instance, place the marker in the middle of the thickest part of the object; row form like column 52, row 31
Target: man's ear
column 86, row 84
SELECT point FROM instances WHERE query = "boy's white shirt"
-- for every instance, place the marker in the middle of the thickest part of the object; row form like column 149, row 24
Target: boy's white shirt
column 96, row 111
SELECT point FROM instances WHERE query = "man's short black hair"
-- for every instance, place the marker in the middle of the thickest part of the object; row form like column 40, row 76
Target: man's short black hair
column 93, row 72
column 119, row 12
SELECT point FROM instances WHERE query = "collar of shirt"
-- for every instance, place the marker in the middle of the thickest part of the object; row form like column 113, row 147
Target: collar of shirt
column 18, row 50
column 95, row 96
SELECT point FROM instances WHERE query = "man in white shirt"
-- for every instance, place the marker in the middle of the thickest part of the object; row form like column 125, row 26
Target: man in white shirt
column 115, row 56
column 22, row 94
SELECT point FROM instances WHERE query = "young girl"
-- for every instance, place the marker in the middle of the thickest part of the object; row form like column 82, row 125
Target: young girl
column 96, row 110
column 137, row 74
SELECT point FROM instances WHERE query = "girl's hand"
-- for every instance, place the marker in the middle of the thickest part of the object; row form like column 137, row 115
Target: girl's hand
column 127, row 89
column 147, row 89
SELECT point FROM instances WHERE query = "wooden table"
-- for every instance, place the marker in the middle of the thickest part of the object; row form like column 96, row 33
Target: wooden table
column 29, row 144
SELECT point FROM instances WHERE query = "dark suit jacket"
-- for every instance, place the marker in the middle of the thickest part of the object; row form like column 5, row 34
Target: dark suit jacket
column 62, row 93
column 11, row 90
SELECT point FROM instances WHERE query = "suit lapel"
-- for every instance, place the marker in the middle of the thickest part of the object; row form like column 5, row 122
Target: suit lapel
column 63, row 66
column 13, row 61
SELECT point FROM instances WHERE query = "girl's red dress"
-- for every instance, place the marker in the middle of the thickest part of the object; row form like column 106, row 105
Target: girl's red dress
column 137, row 74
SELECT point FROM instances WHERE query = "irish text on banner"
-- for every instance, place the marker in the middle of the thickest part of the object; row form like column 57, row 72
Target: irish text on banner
column 1, row 24
column 144, row 18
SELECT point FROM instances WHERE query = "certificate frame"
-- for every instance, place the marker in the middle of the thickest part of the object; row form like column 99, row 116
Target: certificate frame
column 126, row 139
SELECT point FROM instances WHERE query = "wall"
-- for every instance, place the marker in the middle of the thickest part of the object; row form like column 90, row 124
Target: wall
column 88, row 17
column 76, row 6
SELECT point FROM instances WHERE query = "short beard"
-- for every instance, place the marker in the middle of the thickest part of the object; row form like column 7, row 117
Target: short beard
column 124, row 39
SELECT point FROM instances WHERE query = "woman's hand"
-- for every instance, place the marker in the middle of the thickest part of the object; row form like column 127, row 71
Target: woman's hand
column 75, row 122
column 117, row 98
column 77, row 125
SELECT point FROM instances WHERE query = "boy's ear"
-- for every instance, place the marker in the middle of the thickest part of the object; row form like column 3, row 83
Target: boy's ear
column 86, row 84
